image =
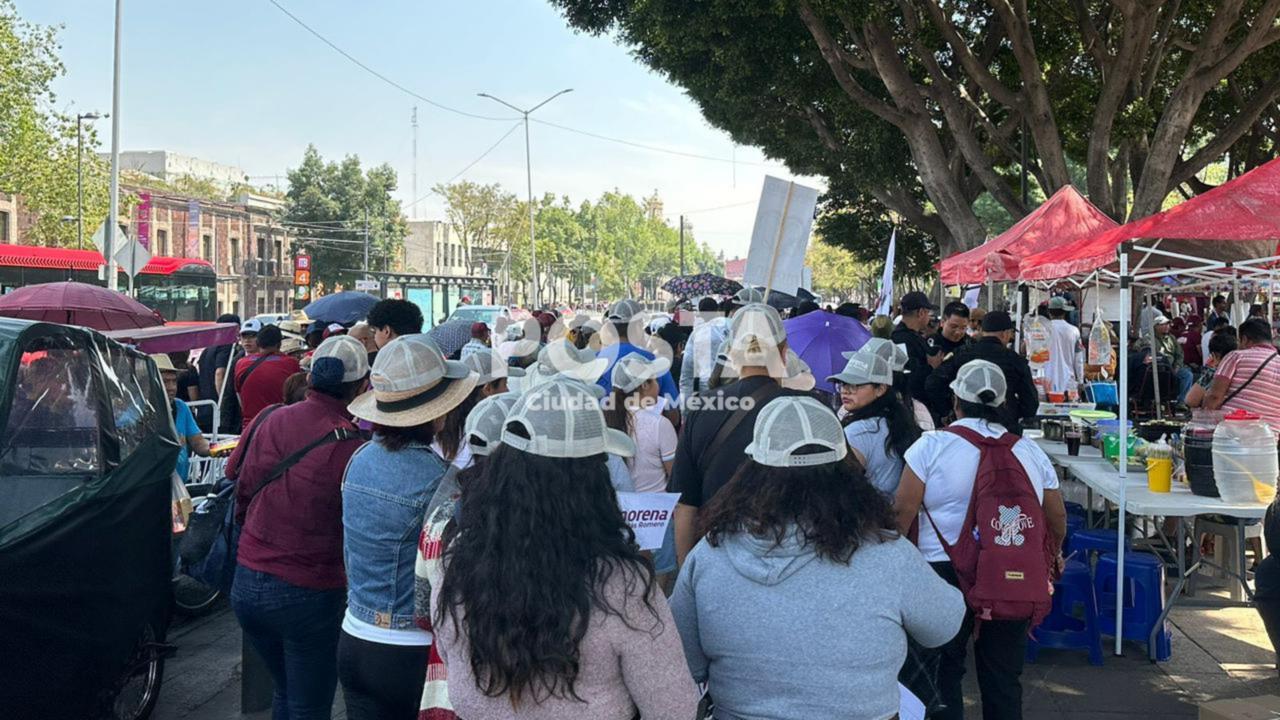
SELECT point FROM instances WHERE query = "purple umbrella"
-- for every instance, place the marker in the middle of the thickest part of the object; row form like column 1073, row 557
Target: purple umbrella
column 72, row 303
column 820, row 338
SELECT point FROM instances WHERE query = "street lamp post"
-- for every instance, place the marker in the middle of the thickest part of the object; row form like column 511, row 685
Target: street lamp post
column 113, row 215
column 528, row 169
column 80, row 118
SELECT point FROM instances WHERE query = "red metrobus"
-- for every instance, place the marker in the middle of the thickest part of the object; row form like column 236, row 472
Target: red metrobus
column 181, row 289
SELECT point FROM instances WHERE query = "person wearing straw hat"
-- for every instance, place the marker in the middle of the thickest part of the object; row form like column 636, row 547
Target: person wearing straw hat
column 797, row 532
column 546, row 608
column 290, row 588
column 382, row 654
column 189, row 435
column 940, row 475
column 484, row 434
column 878, row 424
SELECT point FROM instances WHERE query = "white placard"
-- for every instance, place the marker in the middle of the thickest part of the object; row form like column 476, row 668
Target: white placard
column 788, row 274
column 648, row 514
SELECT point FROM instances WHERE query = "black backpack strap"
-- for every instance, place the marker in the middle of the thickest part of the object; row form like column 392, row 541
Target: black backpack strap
column 336, row 435
column 244, row 376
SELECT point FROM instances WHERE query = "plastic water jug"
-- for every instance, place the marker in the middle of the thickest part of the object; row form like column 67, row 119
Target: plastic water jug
column 1244, row 459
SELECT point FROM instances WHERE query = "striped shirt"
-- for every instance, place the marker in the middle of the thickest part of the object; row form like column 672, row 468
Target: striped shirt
column 1262, row 396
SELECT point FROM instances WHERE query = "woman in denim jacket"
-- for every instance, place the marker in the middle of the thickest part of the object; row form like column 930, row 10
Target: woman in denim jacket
column 382, row 653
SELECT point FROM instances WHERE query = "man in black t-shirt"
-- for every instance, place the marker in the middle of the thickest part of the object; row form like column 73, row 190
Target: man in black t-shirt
column 921, row 360
column 953, row 333
column 720, row 423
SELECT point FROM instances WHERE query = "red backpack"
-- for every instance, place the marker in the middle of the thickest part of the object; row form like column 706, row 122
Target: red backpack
column 1005, row 553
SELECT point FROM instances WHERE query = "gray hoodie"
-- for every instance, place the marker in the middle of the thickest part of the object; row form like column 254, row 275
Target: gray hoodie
column 780, row 633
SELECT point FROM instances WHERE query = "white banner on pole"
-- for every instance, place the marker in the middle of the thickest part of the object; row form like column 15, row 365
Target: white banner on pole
column 885, row 305
column 648, row 514
column 971, row 296
column 780, row 241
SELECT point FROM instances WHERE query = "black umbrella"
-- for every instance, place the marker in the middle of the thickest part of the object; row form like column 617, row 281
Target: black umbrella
column 701, row 284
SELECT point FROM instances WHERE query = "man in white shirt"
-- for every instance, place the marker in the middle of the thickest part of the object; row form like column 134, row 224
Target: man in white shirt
column 1062, row 370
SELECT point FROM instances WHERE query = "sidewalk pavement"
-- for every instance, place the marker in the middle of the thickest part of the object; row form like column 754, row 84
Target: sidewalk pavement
column 1217, row 653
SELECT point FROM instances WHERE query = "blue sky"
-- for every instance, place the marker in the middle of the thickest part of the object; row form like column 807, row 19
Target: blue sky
column 238, row 82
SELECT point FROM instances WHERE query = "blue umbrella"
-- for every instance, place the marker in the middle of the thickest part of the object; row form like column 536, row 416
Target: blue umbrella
column 345, row 307
column 820, row 338
column 450, row 336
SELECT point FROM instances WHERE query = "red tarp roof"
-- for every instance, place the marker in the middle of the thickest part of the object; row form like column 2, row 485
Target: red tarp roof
column 1063, row 219
column 1240, row 219
column 34, row 256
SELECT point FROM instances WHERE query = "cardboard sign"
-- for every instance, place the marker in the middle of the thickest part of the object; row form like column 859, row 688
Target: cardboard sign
column 784, row 219
column 648, row 514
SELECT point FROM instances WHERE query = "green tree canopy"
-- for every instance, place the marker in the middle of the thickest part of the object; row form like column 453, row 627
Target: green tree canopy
column 920, row 107
column 37, row 143
column 330, row 204
column 611, row 243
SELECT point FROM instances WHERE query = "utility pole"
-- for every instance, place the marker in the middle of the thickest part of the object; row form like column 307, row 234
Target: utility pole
column 113, row 217
column 414, row 211
column 682, row 245
column 528, row 169
column 366, row 242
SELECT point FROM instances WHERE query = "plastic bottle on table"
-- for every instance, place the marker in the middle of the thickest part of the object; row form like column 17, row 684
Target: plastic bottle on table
column 1160, row 466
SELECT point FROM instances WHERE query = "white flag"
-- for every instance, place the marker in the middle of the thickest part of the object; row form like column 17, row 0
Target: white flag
column 885, row 306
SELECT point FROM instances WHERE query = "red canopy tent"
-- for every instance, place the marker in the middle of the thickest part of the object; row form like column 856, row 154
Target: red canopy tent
column 1219, row 235
column 1065, row 218
column 1237, row 222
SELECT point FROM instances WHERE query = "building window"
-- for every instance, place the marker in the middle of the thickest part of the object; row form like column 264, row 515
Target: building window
column 206, row 247
column 4, row 227
column 162, row 242
column 279, row 257
column 235, row 256
column 262, row 304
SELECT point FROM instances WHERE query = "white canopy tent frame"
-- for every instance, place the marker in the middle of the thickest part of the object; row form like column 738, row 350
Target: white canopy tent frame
column 1205, row 269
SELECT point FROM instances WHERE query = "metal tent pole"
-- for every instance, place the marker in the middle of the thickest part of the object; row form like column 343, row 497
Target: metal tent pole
column 1123, row 371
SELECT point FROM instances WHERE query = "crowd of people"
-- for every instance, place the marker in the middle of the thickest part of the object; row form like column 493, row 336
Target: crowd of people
column 440, row 535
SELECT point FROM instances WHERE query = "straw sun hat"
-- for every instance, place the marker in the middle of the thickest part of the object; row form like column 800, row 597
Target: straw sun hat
column 413, row 384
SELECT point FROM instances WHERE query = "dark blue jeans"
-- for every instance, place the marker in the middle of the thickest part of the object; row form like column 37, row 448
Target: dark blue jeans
column 295, row 630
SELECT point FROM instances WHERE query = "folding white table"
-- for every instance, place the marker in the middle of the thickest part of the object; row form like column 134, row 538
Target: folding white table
column 1101, row 477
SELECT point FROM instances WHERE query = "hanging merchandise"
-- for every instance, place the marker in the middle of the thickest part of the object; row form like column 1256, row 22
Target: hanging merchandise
column 1038, row 340
column 1100, row 342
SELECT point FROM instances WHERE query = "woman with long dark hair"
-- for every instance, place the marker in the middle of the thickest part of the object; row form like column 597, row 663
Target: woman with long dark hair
column 382, row 654
column 484, row 433
column 877, row 424
column 798, row 602
column 546, row 608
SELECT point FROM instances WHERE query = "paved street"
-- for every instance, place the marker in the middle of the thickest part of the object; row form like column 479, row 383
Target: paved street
column 1217, row 654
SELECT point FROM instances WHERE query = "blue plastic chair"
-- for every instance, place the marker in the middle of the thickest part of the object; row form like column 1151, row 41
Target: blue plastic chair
column 1073, row 622
column 1143, row 600
column 1075, row 524
column 1085, row 543
column 1075, row 509
column 1103, row 393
